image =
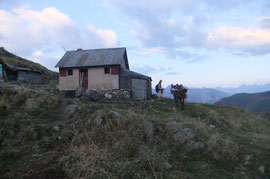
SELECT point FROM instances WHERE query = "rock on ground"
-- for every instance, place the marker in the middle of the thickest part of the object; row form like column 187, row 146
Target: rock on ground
column 56, row 128
column 184, row 135
column 173, row 126
column 87, row 95
column 79, row 92
column 212, row 126
column 116, row 114
column 157, row 160
column 108, row 95
column 90, row 96
column 32, row 104
column 196, row 145
column 261, row 169
column 71, row 109
column 98, row 118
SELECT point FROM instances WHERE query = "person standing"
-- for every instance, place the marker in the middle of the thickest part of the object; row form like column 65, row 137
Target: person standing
column 160, row 90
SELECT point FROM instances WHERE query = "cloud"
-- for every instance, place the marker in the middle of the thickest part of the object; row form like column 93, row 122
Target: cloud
column 25, row 32
column 264, row 22
column 145, row 69
column 107, row 36
column 178, row 25
column 239, row 37
column 252, row 40
column 43, row 59
column 38, row 53
column 147, row 52
column 172, row 73
column 155, row 28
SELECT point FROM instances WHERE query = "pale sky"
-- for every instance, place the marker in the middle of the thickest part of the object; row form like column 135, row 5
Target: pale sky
column 198, row 43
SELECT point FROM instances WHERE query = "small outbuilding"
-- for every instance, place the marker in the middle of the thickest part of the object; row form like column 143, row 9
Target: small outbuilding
column 101, row 69
column 10, row 72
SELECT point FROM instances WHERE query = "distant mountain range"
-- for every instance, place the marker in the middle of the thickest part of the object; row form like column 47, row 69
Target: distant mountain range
column 258, row 103
column 199, row 95
column 213, row 95
column 246, row 89
column 205, row 95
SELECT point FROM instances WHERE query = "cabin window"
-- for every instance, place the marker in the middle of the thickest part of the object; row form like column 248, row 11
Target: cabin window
column 62, row 72
column 107, row 70
column 70, row 72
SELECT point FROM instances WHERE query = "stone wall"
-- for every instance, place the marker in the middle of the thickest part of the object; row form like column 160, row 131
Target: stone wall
column 29, row 77
column 116, row 93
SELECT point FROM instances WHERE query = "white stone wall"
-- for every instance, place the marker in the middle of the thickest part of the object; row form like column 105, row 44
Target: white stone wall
column 69, row 82
column 98, row 80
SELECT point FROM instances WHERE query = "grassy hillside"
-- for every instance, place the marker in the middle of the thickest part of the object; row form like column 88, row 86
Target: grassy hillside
column 258, row 103
column 40, row 137
column 10, row 58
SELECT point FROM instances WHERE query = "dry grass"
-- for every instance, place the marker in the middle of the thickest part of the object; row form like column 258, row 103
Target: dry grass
column 84, row 148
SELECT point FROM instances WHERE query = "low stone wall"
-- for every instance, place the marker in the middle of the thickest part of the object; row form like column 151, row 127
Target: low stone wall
column 94, row 95
column 29, row 77
column 116, row 93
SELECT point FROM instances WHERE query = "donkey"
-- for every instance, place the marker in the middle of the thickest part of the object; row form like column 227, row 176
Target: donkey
column 179, row 94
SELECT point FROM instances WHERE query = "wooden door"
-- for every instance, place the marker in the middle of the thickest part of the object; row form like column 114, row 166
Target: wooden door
column 84, row 76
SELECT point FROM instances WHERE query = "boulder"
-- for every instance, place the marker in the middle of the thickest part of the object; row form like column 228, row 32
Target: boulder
column 108, row 95
column 87, row 95
column 56, row 128
column 79, row 92
column 220, row 120
column 184, row 135
column 173, row 126
column 196, row 145
column 157, row 160
column 71, row 109
column 32, row 104
column 90, row 96
column 212, row 126
column 94, row 96
column 98, row 118
column 248, row 157
column 116, row 114
column 261, row 169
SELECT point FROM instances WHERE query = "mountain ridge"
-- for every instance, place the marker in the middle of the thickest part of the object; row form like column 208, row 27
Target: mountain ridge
column 198, row 95
column 246, row 89
column 259, row 103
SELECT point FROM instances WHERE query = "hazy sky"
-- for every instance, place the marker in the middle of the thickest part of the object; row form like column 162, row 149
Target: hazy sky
column 199, row 43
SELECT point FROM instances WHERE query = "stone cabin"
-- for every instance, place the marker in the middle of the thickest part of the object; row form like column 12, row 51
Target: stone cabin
column 101, row 69
column 10, row 72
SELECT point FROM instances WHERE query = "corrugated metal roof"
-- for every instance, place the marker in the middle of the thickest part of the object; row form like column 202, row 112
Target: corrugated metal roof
column 94, row 57
column 129, row 73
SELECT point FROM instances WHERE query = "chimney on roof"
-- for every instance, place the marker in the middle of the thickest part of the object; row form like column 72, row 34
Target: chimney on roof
column 79, row 49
